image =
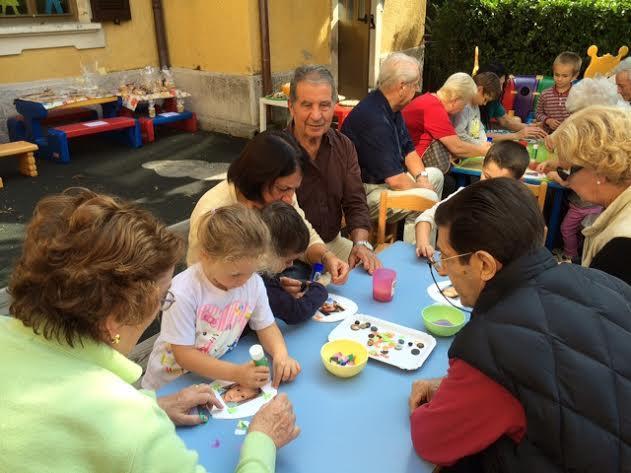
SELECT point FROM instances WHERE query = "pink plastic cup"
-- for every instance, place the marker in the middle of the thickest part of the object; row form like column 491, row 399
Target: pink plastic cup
column 383, row 282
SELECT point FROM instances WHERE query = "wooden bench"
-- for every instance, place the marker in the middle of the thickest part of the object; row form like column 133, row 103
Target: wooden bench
column 17, row 126
column 127, row 128
column 24, row 151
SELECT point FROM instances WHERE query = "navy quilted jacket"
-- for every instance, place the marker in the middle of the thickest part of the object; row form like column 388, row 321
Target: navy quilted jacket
column 558, row 337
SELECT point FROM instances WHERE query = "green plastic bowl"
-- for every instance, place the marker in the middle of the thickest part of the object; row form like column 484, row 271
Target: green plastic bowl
column 443, row 320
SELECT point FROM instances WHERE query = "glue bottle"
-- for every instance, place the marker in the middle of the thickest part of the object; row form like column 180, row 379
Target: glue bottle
column 258, row 355
column 316, row 273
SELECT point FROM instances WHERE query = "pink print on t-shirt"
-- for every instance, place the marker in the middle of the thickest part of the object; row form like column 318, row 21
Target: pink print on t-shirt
column 218, row 329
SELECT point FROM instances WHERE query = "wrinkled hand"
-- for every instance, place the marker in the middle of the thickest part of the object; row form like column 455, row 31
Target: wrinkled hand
column 178, row 405
column 532, row 132
column 337, row 268
column 285, row 369
column 423, row 391
column 293, row 287
column 553, row 123
column 362, row 255
column 277, row 420
column 549, row 142
column 251, row 376
column 423, row 183
column 425, row 250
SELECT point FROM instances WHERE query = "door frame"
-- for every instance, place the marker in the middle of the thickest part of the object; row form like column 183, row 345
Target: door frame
column 374, row 55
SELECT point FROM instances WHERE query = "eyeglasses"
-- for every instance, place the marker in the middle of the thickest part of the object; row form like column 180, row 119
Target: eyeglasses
column 167, row 301
column 437, row 260
column 565, row 174
column 432, row 262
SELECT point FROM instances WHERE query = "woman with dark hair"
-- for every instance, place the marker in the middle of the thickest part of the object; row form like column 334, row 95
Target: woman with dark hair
column 269, row 169
column 93, row 274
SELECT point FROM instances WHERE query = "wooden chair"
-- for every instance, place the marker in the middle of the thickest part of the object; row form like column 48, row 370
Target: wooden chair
column 23, row 150
column 604, row 64
column 414, row 203
column 539, row 191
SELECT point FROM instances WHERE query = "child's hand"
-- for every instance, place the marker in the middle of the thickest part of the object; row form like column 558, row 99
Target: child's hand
column 424, row 250
column 285, row 369
column 251, row 376
column 552, row 123
column 542, row 167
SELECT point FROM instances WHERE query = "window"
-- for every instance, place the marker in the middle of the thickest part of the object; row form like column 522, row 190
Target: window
column 38, row 8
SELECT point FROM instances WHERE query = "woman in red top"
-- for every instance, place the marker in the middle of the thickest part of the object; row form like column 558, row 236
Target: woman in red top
column 427, row 120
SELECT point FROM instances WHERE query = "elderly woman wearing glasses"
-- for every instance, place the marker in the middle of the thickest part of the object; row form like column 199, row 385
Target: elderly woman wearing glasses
column 93, row 274
column 269, row 169
column 595, row 145
column 538, row 377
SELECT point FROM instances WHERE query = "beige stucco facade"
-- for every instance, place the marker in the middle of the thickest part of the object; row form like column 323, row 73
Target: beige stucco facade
column 214, row 50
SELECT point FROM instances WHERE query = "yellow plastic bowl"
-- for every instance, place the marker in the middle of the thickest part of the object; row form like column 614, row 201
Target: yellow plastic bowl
column 346, row 347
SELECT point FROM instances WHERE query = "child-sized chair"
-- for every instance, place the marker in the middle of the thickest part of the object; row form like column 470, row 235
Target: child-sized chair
column 604, row 64
column 414, row 203
column 539, row 191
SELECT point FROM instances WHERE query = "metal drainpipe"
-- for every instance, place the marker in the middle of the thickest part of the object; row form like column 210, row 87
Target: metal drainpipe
column 161, row 37
column 266, row 72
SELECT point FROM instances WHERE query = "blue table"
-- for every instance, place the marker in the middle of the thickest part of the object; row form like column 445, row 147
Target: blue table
column 463, row 176
column 359, row 424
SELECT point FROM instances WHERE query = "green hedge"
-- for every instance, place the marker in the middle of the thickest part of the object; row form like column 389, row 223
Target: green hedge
column 524, row 35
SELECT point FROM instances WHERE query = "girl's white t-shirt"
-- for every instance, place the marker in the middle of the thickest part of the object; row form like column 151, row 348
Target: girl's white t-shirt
column 206, row 317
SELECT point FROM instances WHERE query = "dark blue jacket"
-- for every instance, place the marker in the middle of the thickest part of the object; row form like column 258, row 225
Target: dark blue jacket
column 289, row 309
column 558, row 337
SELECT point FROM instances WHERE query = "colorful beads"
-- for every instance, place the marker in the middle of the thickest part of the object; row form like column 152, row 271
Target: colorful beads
column 343, row 360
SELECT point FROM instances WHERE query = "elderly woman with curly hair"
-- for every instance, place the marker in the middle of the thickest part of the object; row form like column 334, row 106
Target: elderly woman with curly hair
column 93, row 274
column 594, row 145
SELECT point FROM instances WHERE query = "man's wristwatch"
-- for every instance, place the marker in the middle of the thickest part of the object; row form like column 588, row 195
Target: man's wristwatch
column 364, row 243
column 421, row 174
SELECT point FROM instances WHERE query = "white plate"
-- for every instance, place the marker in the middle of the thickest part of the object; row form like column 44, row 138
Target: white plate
column 389, row 335
column 349, row 102
column 239, row 409
column 348, row 306
column 435, row 294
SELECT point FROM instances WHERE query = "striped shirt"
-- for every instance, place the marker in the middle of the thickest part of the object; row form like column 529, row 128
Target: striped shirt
column 552, row 105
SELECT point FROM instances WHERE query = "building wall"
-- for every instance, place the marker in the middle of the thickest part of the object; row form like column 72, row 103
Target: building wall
column 403, row 25
column 215, row 51
column 130, row 45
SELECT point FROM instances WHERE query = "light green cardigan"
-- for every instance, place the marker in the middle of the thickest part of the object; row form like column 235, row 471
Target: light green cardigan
column 66, row 410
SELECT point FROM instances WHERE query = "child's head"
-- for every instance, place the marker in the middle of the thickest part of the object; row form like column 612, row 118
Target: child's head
column 498, row 69
column 505, row 159
column 489, row 88
column 289, row 234
column 233, row 241
column 239, row 394
column 565, row 69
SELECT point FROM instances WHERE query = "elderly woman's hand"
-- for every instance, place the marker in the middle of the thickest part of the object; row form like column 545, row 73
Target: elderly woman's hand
column 277, row 420
column 178, row 405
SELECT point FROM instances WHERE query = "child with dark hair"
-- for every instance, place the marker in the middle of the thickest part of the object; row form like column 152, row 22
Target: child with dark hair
column 467, row 123
column 503, row 159
column 291, row 300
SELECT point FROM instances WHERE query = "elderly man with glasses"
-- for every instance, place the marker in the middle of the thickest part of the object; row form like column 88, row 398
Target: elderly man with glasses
column 538, row 378
column 387, row 158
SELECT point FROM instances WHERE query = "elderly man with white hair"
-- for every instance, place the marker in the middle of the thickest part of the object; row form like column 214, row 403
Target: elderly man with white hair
column 623, row 79
column 387, row 158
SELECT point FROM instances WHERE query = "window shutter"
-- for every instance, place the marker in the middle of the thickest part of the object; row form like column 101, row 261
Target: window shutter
column 110, row 10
